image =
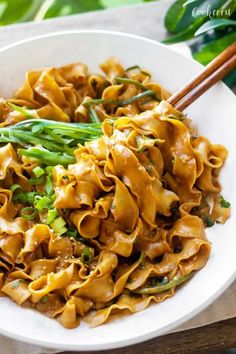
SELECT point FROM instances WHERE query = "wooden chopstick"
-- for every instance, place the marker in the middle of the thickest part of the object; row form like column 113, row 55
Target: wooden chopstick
column 214, row 71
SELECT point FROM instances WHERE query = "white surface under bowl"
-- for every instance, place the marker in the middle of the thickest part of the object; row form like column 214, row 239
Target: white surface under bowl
column 214, row 114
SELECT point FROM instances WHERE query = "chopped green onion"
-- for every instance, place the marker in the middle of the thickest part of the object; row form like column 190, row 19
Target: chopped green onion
column 113, row 205
column 224, row 203
column 142, row 260
column 163, row 287
column 208, row 221
column 29, row 213
column 72, row 233
column 37, row 181
column 86, row 255
column 44, row 299
column 93, row 116
column 15, row 284
column 49, row 169
column 49, row 185
column 15, row 187
column 30, row 197
column 24, row 197
column 42, row 202
column 58, row 226
column 52, row 214
column 38, row 171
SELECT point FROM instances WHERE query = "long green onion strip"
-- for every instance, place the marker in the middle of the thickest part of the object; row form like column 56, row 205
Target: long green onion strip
column 93, row 117
column 137, row 67
column 120, row 103
column 47, row 157
column 138, row 96
column 54, row 141
column 163, row 287
column 125, row 80
column 26, row 112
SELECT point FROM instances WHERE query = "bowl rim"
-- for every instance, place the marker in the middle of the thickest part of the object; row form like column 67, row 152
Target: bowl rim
column 167, row 328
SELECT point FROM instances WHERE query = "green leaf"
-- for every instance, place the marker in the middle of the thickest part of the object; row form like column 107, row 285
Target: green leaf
column 211, row 50
column 18, row 10
column 189, row 2
column 117, row 3
column 56, row 8
column 186, row 34
column 3, row 6
column 174, row 15
column 230, row 79
column 179, row 17
column 213, row 24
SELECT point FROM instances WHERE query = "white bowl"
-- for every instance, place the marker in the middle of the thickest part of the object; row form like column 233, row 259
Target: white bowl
column 214, row 114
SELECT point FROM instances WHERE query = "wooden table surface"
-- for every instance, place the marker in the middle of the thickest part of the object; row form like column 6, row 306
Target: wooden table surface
column 215, row 328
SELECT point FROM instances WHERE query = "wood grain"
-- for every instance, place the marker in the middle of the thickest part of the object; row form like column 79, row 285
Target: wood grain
column 203, row 340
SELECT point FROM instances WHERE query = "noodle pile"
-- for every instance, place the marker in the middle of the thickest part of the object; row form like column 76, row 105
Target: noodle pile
column 123, row 225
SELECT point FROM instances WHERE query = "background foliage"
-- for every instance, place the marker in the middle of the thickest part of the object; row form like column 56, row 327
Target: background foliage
column 209, row 30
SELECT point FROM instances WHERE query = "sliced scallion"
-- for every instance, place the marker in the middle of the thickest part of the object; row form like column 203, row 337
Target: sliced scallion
column 86, row 255
column 15, row 187
column 58, row 226
column 72, row 233
column 37, row 181
column 38, row 171
column 224, row 203
column 52, row 214
column 48, row 185
column 42, row 202
column 29, row 213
